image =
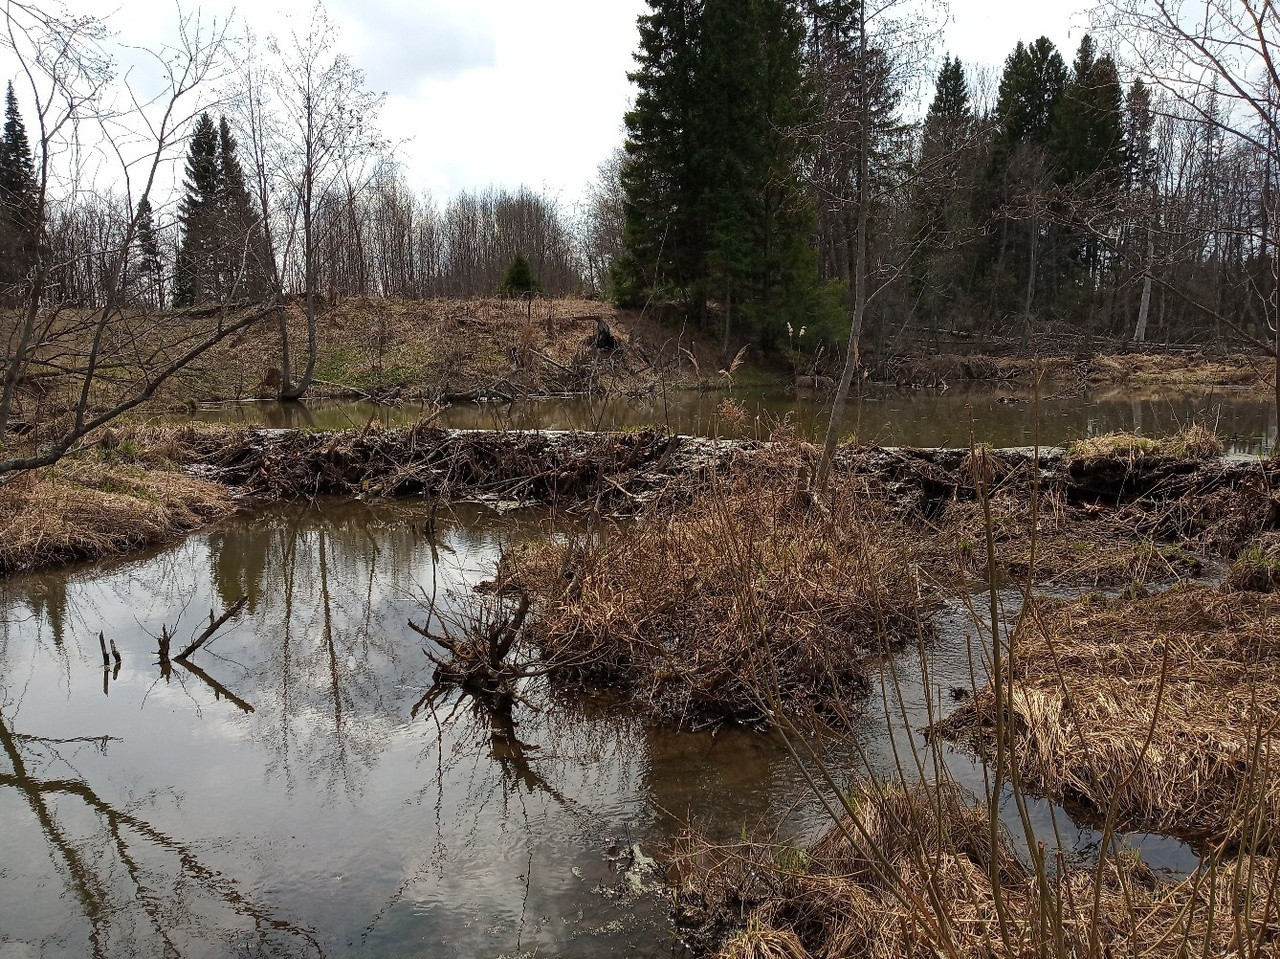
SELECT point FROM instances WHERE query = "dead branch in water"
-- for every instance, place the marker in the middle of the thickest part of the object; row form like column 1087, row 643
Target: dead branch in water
column 213, row 627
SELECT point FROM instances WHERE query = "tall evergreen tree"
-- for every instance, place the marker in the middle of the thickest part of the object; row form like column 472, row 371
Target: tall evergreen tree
column 242, row 271
column 1033, row 80
column 1016, row 194
column 197, row 268
column 222, row 250
column 715, row 207
column 662, row 236
column 1088, row 157
column 942, row 220
column 18, row 200
column 1087, row 127
column 146, row 267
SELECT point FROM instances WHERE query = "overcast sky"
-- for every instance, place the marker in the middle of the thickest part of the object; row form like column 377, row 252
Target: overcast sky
column 530, row 92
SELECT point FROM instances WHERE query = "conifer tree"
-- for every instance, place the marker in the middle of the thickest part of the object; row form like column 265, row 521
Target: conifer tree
column 1088, row 154
column 662, row 234
column 18, row 200
column 519, row 278
column 197, row 268
column 241, row 272
column 942, row 214
column 147, row 268
column 715, row 206
column 222, row 250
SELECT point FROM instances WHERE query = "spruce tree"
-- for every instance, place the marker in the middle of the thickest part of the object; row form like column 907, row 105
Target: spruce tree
column 519, row 279
column 1087, row 127
column 1033, row 80
column 240, row 270
column 147, row 273
column 198, row 215
column 1088, row 153
column 942, row 214
column 663, row 238
column 715, row 206
column 18, row 200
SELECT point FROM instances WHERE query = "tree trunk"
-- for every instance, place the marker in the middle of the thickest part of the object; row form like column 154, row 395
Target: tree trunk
column 853, row 359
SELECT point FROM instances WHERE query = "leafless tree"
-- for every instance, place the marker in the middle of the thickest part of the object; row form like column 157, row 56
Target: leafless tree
column 1220, row 60
column 108, row 359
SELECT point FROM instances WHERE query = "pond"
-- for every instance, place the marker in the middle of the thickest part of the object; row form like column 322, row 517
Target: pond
column 289, row 793
column 891, row 417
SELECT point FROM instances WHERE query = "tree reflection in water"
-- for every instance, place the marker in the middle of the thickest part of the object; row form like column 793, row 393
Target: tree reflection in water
column 141, row 891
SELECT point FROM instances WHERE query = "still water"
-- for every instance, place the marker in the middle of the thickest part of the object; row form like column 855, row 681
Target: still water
column 287, row 794
column 1001, row 417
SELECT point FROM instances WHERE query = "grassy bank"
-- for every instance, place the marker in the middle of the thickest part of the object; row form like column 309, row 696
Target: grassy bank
column 91, row 506
column 1189, row 370
column 1160, row 711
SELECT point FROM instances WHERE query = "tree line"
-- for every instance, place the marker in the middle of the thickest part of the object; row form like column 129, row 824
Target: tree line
column 772, row 186
column 1081, row 198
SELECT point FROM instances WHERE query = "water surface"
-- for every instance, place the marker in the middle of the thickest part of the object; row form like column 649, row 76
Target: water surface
column 290, row 793
column 892, row 417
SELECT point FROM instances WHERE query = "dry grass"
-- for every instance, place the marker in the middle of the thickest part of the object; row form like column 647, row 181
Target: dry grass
column 1183, row 370
column 1160, row 710
column 430, row 347
column 1193, row 442
column 1073, row 545
column 910, row 874
column 84, row 508
column 747, row 589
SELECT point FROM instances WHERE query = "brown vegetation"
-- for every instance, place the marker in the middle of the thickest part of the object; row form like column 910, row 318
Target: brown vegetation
column 85, row 508
column 425, row 349
column 1160, row 710
column 915, row 873
column 1173, row 370
column 750, row 588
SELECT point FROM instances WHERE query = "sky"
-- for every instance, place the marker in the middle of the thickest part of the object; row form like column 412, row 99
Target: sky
column 515, row 92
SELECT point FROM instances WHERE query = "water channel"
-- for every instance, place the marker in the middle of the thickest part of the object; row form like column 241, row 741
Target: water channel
column 996, row 415
column 287, row 794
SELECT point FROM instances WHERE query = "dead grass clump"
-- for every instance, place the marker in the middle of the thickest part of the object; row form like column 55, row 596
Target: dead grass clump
column 1192, row 442
column 909, row 873
column 1161, row 710
column 87, row 509
column 1257, row 567
column 1074, row 545
column 1185, row 370
column 748, row 589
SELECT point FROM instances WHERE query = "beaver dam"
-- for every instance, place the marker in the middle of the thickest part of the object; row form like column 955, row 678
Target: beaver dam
column 674, row 700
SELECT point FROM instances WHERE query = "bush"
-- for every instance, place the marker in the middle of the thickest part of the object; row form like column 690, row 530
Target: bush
column 519, row 279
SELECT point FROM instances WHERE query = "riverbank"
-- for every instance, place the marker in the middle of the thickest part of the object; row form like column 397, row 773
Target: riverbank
column 88, row 507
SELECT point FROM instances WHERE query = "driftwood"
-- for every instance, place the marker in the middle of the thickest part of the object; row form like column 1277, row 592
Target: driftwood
column 214, row 625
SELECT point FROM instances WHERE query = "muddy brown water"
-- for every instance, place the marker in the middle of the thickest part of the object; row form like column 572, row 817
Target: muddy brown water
column 282, row 798
column 892, row 417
